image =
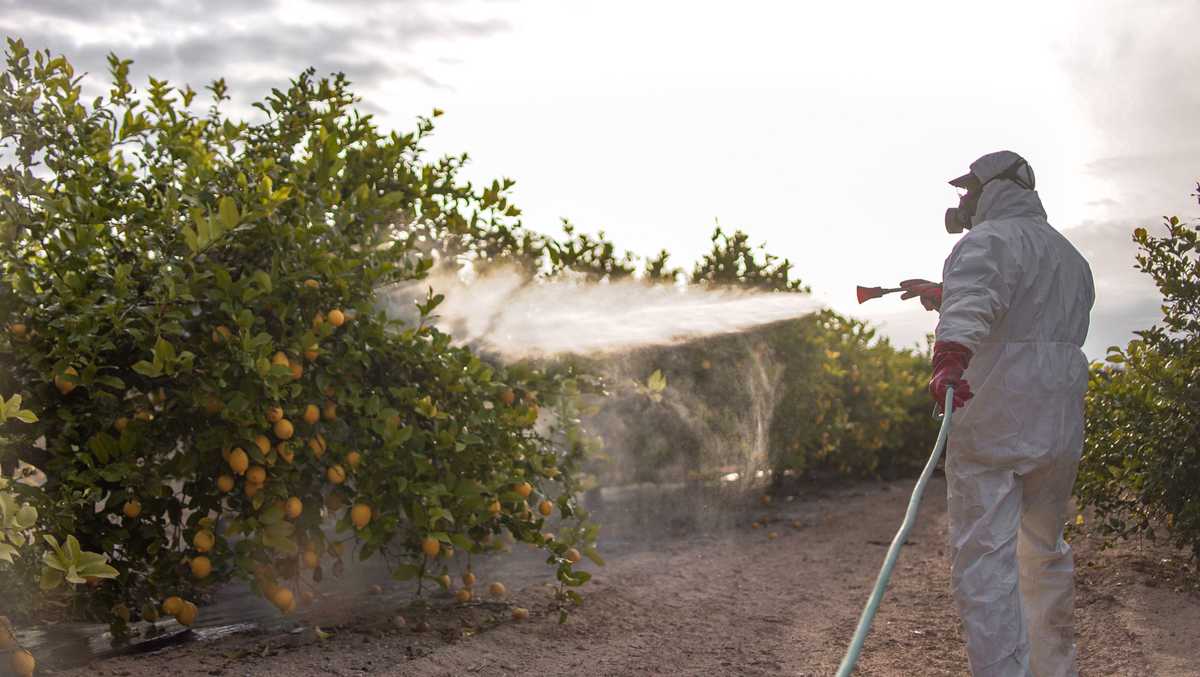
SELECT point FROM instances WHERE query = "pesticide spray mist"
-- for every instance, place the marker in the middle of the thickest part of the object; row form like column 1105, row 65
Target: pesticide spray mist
column 634, row 328
column 507, row 313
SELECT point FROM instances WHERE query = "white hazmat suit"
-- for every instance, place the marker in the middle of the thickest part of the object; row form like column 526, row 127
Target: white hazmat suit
column 1016, row 294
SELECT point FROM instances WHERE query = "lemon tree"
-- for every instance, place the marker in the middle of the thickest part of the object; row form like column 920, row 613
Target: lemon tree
column 190, row 304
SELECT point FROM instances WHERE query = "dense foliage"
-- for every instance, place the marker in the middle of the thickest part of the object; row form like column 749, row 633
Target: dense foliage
column 1141, row 464
column 189, row 304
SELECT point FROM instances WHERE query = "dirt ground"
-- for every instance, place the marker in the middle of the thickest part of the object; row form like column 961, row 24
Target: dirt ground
column 733, row 602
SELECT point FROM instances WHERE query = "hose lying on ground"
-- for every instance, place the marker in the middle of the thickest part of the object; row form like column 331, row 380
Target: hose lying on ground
column 910, row 518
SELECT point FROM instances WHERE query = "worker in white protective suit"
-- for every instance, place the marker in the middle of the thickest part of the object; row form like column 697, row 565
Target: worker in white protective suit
column 1014, row 302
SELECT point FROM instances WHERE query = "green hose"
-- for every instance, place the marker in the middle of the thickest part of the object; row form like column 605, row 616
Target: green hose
column 885, row 573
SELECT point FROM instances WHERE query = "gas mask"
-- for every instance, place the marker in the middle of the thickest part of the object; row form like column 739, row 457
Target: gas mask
column 959, row 218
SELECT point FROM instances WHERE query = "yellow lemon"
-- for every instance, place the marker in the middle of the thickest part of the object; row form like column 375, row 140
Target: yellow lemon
column 187, row 614
column 293, row 507
column 172, row 605
column 284, row 429
column 336, row 474
column 360, row 515
column 201, row 567
column 204, row 540
column 64, row 385
column 22, row 663
column 239, row 461
column 256, row 475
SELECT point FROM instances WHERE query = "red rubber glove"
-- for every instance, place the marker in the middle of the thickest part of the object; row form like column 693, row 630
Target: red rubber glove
column 950, row 360
column 930, row 292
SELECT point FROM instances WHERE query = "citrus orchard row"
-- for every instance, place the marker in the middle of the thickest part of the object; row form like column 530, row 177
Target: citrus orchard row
column 190, row 304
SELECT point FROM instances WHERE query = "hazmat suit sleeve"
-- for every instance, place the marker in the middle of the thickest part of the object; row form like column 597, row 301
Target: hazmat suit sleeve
column 978, row 279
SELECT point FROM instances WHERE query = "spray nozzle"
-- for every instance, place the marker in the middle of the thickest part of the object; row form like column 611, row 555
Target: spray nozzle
column 867, row 293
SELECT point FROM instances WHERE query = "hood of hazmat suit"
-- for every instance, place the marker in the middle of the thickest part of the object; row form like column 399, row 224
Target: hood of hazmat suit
column 1018, row 295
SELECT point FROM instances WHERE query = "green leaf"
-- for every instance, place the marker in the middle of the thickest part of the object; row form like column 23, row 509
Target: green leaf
column 657, row 382
column 7, row 553
column 263, row 280
column 192, row 240
column 51, row 578
column 594, row 555
column 147, row 369
column 26, row 517
column 228, row 212
column 164, row 352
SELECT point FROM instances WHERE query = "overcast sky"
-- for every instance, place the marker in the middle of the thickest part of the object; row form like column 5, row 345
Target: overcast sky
column 826, row 130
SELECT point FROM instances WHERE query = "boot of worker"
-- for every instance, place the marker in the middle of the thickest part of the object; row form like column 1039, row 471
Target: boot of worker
column 985, row 516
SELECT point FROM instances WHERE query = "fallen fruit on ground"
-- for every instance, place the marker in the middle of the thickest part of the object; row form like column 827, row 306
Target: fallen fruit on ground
column 22, row 663
column 172, row 605
column 772, row 536
column 520, row 613
column 463, row 595
column 497, row 589
column 7, row 641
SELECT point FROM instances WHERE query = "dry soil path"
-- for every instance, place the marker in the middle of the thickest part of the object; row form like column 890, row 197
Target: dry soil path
column 740, row 603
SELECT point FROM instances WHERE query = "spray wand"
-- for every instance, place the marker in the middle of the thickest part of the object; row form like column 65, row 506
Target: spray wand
column 867, row 293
